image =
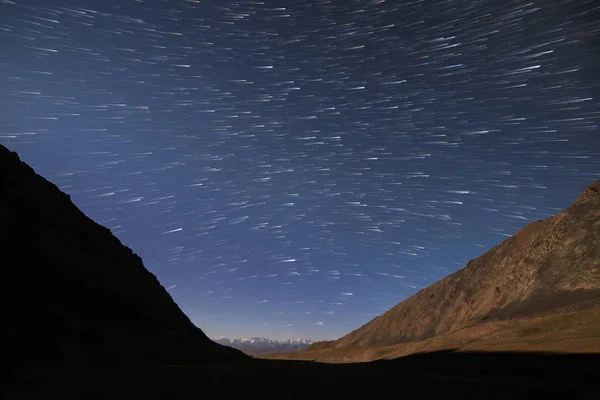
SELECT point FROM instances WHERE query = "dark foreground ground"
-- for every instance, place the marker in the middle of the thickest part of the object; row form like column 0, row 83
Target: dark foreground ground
column 439, row 375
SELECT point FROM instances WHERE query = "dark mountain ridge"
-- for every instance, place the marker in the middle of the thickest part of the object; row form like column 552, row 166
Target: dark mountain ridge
column 74, row 293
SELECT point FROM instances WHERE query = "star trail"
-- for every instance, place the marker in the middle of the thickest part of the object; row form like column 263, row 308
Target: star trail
column 295, row 168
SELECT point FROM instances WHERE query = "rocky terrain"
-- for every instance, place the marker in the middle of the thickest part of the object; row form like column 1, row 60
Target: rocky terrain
column 74, row 293
column 548, row 267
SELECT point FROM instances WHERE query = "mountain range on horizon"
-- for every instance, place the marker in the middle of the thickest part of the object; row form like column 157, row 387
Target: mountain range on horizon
column 263, row 345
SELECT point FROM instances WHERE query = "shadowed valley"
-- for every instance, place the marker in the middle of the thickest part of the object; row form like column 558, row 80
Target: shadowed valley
column 83, row 318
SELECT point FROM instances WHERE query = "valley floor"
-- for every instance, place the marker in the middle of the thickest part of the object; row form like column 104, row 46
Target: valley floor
column 439, row 375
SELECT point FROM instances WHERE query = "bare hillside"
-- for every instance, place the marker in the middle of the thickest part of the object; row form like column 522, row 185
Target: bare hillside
column 547, row 265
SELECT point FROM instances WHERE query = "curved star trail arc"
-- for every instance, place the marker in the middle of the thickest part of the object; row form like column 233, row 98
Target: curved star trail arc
column 296, row 168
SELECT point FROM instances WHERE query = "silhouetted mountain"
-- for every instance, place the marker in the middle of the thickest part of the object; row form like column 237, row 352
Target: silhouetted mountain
column 545, row 267
column 262, row 345
column 73, row 293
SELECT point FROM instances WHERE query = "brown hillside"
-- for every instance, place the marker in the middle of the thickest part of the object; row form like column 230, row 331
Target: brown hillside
column 548, row 264
column 73, row 293
column 566, row 332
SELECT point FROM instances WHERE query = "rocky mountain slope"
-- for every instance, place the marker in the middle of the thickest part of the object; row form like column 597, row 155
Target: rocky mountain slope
column 548, row 265
column 73, row 293
column 566, row 332
column 262, row 345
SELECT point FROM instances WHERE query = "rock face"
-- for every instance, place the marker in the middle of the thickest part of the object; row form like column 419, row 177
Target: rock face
column 547, row 265
column 73, row 293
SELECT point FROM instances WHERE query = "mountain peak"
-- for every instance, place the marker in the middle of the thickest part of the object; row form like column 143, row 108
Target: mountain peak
column 590, row 192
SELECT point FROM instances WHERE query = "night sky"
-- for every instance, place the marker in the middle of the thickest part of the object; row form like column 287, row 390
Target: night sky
column 295, row 168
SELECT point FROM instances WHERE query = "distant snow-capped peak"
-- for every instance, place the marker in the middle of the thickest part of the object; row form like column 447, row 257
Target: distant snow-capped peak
column 263, row 345
column 262, row 340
